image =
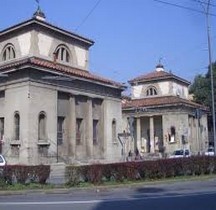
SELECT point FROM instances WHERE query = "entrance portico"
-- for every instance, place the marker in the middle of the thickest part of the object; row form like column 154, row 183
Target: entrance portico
column 149, row 136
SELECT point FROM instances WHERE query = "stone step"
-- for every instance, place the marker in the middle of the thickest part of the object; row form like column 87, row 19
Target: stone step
column 57, row 174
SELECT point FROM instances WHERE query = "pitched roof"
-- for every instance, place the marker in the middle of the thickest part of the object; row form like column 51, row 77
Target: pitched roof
column 157, row 75
column 35, row 21
column 59, row 68
column 162, row 101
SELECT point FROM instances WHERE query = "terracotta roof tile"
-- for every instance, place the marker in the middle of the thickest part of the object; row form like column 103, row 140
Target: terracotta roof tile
column 160, row 101
column 157, row 75
column 62, row 69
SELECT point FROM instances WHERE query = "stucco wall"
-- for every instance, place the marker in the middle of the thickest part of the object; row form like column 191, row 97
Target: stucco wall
column 16, row 100
column 42, row 44
column 24, row 42
column 164, row 88
column 198, row 134
column 2, row 100
column 112, row 110
column 180, row 122
column 21, row 42
column 42, row 100
column 47, row 44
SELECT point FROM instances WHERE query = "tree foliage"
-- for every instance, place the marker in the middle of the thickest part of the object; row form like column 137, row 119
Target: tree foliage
column 201, row 87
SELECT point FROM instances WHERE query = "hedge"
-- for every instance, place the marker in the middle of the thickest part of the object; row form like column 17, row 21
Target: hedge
column 23, row 174
column 141, row 170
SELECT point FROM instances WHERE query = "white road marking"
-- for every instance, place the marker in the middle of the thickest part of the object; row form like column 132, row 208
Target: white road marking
column 102, row 200
column 50, row 202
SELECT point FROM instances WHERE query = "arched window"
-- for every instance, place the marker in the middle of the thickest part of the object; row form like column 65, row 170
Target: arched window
column 79, row 130
column 172, row 134
column 60, row 130
column 95, row 131
column 16, row 126
column 62, row 54
column 42, row 126
column 8, row 52
column 151, row 91
column 114, row 132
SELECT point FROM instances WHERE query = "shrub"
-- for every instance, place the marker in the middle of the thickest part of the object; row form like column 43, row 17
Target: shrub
column 22, row 174
column 42, row 173
column 145, row 170
column 73, row 175
column 117, row 172
column 6, row 174
column 95, row 173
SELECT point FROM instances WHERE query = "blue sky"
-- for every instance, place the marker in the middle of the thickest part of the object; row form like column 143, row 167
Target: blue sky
column 130, row 35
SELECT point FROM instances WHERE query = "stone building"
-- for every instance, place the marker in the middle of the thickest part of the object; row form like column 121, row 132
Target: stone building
column 52, row 108
column 160, row 117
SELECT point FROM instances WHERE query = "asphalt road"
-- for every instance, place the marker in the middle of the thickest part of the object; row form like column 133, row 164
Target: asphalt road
column 199, row 195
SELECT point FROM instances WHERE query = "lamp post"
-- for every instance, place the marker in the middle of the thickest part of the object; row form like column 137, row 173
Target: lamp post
column 206, row 11
column 211, row 71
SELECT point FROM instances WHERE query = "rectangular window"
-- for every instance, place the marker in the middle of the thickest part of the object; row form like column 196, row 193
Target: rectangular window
column 2, row 94
column 17, row 126
column 1, row 128
column 43, row 150
column 15, row 150
column 79, row 130
column 42, row 127
column 95, row 132
column 114, row 133
column 60, row 130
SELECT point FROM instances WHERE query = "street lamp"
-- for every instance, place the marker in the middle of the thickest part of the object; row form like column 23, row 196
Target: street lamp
column 211, row 72
column 211, row 69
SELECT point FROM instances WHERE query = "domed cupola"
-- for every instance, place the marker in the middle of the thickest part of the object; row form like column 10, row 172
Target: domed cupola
column 159, row 67
column 39, row 14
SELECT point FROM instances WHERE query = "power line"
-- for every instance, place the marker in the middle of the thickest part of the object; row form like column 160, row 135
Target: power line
column 87, row 16
column 183, row 7
column 203, row 2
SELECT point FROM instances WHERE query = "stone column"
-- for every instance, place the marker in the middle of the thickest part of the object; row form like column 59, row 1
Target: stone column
column 138, row 131
column 72, row 127
column 152, row 141
column 104, row 134
column 89, row 129
column 198, row 146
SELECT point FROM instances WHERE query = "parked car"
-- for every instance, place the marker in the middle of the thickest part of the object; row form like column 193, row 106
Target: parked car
column 2, row 160
column 210, row 152
column 180, row 153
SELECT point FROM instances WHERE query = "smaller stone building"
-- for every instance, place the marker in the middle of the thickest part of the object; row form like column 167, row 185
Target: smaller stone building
column 160, row 117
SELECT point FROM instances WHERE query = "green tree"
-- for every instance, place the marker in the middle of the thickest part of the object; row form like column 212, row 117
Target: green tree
column 201, row 87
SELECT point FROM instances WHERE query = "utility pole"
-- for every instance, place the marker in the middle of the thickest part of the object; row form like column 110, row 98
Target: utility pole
column 211, row 69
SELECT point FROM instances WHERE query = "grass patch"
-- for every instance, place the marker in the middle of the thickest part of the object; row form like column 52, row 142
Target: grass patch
column 108, row 184
column 30, row 186
column 129, row 183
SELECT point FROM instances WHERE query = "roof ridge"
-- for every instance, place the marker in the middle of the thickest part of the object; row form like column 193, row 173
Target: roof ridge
column 161, row 100
column 157, row 75
column 45, row 23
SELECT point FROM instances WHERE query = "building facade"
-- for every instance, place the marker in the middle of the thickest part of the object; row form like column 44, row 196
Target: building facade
column 52, row 108
column 161, row 118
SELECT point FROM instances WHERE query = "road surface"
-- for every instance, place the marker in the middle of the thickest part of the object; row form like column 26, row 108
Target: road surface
column 199, row 195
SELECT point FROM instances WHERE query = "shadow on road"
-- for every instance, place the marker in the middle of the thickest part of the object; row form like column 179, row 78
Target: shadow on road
column 149, row 190
column 159, row 199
